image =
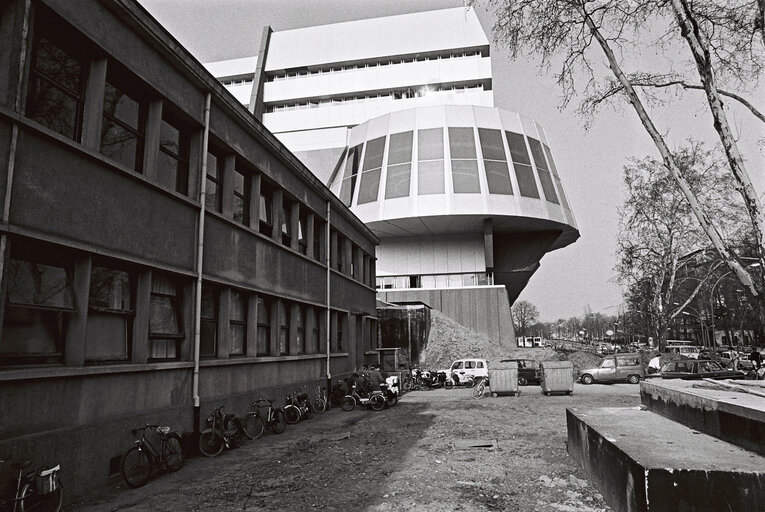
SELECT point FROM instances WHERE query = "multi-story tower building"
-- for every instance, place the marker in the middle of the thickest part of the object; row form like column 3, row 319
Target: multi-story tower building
column 397, row 116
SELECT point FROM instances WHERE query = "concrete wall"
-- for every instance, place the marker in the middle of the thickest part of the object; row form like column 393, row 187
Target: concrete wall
column 483, row 309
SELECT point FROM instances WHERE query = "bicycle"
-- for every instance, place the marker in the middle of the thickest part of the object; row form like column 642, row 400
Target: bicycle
column 38, row 489
column 225, row 432
column 319, row 404
column 375, row 400
column 479, row 389
column 297, row 407
column 139, row 461
column 254, row 424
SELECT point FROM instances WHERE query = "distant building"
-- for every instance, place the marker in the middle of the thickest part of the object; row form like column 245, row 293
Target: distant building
column 116, row 272
column 396, row 115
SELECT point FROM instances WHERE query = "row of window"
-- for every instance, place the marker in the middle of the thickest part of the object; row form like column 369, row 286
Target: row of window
column 130, row 112
column 236, row 81
column 433, row 281
column 386, row 61
column 399, row 94
column 363, row 166
column 41, row 304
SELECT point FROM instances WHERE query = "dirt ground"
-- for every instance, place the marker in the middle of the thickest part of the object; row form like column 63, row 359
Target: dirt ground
column 407, row 457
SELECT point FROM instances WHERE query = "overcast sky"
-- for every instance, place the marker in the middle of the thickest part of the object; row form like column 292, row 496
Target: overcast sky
column 590, row 162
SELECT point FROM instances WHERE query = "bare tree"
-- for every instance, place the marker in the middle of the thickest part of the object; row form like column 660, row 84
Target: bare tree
column 524, row 314
column 721, row 39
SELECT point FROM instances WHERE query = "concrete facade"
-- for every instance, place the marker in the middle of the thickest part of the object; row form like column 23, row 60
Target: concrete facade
column 104, row 144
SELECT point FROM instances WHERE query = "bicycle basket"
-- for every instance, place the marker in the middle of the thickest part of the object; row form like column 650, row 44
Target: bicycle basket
column 47, row 481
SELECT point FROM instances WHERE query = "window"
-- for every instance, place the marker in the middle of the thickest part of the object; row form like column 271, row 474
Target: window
column 56, row 82
column 399, row 165
column 495, row 162
column 545, row 178
column 109, row 308
column 607, row 363
column 266, row 221
column 214, row 185
column 122, row 129
column 264, row 326
column 318, row 239
column 370, row 174
column 313, row 343
column 208, row 335
column 284, row 330
column 430, row 171
column 38, row 299
column 241, row 202
column 165, row 325
column 238, row 323
column 301, row 339
column 340, row 331
column 348, row 185
column 522, row 165
column 173, row 160
column 464, row 163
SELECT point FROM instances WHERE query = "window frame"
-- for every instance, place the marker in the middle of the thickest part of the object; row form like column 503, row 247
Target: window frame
column 182, row 158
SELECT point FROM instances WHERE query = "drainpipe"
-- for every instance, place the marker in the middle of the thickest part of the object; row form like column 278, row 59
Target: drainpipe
column 14, row 137
column 329, row 316
column 200, row 255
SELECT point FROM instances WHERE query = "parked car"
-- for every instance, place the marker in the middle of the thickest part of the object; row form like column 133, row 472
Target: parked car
column 727, row 356
column 615, row 368
column 528, row 371
column 700, row 369
column 468, row 368
column 685, row 351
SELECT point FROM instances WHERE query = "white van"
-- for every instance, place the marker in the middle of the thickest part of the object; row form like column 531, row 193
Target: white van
column 469, row 367
column 687, row 351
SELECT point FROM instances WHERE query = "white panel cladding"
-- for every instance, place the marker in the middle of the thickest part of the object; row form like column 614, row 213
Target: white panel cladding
column 529, row 127
column 314, row 139
column 352, row 113
column 377, row 37
column 455, row 254
column 511, row 121
column 403, row 121
column 430, row 117
column 242, row 92
column 362, row 80
column 487, row 118
column 460, row 115
column 232, row 67
column 541, row 132
column 378, row 127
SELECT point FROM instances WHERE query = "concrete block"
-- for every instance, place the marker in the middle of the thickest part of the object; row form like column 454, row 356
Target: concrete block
column 643, row 462
column 737, row 418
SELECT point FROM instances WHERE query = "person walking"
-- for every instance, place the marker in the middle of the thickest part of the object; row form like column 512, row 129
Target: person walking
column 756, row 358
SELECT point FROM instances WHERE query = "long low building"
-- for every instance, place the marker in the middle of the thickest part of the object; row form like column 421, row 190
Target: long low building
column 161, row 252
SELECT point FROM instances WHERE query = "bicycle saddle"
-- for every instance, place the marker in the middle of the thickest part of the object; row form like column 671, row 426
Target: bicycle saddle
column 163, row 430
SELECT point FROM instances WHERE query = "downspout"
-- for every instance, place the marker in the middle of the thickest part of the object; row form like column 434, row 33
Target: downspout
column 329, row 316
column 200, row 255
column 14, row 137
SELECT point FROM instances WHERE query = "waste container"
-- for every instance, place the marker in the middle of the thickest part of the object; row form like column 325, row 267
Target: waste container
column 557, row 377
column 503, row 380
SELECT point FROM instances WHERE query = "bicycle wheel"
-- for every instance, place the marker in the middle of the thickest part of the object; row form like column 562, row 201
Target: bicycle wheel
column 236, row 440
column 377, row 402
column 391, row 399
column 172, row 452
column 136, row 467
column 211, row 443
column 253, row 426
column 479, row 391
column 31, row 500
column 292, row 414
column 279, row 423
column 348, row 403
column 407, row 384
column 319, row 406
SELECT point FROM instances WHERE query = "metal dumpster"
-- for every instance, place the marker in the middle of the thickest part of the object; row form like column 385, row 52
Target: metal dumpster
column 503, row 380
column 557, row 377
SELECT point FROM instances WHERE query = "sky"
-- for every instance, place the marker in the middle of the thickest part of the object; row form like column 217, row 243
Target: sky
column 590, row 161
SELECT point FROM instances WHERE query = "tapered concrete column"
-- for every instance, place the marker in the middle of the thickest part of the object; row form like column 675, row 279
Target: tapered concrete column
column 93, row 106
column 294, row 225
column 294, row 341
column 78, row 319
column 227, row 190
column 255, row 201
column 224, row 339
column 141, row 321
column 309, row 235
column 252, row 326
column 277, row 201
column 151, row 144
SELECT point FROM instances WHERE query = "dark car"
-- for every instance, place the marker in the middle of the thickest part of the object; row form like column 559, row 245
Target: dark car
column 690, row 369
column 527, row 371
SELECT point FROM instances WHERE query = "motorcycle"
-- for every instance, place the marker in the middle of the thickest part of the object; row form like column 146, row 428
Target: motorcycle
column 391, row 396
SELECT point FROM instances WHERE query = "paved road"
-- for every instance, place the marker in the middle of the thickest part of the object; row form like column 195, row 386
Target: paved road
column 409, row 457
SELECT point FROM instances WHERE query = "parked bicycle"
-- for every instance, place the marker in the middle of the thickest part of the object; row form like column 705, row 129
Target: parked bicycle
column 298, row 407
column 38, row 489
column 225, row 431
column 139, row 461
column 319, row 404
column 375, row 400
column 481, row 387
column 255, row 423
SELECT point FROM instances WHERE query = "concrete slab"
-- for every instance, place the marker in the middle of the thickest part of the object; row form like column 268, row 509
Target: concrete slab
column 641, row 461
column 738, row 418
